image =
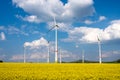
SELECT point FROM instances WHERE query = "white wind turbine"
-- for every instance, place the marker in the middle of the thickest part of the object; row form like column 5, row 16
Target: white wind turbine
column 100, row 52
column 56, row 39
column 83, row 57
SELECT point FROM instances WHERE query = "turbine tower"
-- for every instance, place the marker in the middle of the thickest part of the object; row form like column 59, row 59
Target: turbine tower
column 100, row 52
column 56, row 41
column 83, row 56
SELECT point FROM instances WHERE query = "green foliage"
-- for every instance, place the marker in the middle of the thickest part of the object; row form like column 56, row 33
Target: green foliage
column 64, row 71
column 1, row 61
column 118, row 60
column 87, row 61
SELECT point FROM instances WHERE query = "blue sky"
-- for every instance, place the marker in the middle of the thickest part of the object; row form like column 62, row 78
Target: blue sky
column 24, row 24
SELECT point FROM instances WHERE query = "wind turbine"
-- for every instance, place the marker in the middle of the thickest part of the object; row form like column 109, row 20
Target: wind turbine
column 100, row 52
column 56, row 39
column 83, row 56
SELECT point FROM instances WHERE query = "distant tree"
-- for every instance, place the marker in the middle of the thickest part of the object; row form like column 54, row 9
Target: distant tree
column 1, row 61
column 118, row 60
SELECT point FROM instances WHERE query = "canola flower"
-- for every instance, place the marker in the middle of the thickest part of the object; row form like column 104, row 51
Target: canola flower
column 66, row 71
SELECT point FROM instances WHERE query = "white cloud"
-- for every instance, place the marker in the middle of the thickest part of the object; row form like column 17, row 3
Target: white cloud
column 2, row 36
column 67, row 54
column 38, row 56
column 36, row 43
column 78, row 9
column 34, row 56
column 31, row 18
column 40, row 53
column 84, row 34
column 88, row 22
column 116, row 52
column 113, row 30
column 17, row 57
column 108, row 54
column 14, row 30
column 45, row 9
column 89, row 35
column 36, row 50
column 101, row 18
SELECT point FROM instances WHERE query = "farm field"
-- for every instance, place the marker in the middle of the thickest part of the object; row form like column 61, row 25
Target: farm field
column 65, row 71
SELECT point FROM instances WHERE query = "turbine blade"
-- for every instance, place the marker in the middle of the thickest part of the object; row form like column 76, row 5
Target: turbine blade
column 55, row 23
column 51, row 29
column 54, row 20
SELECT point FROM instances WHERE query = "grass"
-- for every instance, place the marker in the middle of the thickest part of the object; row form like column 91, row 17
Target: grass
column 66, row 71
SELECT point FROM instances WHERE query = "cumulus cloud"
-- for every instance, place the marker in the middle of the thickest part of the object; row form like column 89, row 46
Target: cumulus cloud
column 101, row 18
column 67, row 54
column 116, row 52
column 88, row 22
column 110, row 54
column 36, row 43
column 45, row 9
column 84, row 34
column 89, row 35
column 40, row 53
column 35, row 50
column 17, row 57
column 79, row 8
column 2, row 36
column 34, row 56
column 113, row 30
column 38, row 56
column 31, row 18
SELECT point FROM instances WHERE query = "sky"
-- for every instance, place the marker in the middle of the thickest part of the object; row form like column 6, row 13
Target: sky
column 24, row 26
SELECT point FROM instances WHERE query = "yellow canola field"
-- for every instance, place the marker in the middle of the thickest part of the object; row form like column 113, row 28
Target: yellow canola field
column 66, row 71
